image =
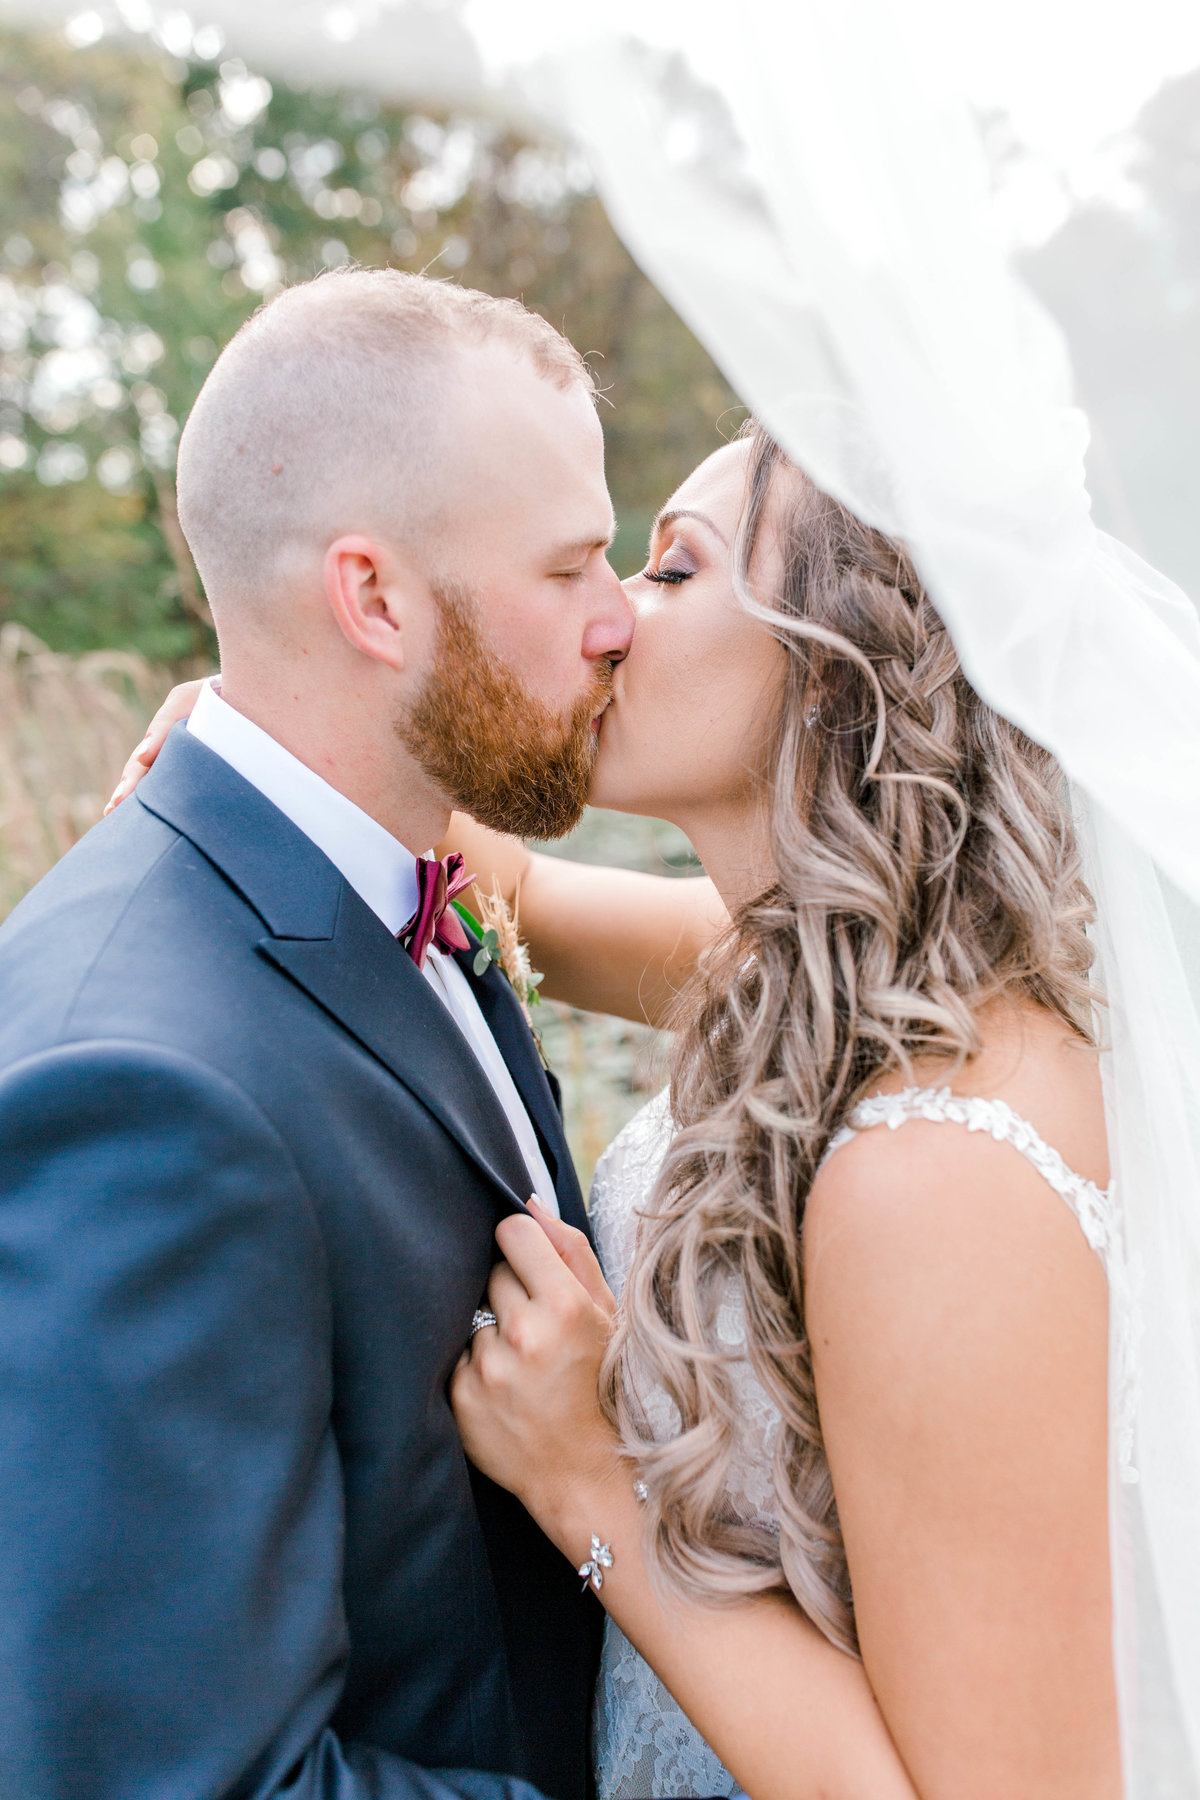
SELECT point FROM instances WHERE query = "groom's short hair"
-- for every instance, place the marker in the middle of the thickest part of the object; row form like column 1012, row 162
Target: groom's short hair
column 323, row 415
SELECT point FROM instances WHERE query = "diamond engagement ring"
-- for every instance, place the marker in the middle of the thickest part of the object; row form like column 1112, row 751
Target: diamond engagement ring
column 482, row 1317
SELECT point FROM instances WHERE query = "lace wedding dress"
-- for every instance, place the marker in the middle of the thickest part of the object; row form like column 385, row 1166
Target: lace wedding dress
column 643, row 1744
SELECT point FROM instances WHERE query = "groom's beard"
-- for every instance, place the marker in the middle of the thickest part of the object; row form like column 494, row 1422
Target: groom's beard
column 497, row 751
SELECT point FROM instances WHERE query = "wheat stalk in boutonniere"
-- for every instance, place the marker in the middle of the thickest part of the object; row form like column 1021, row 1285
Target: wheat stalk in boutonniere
column 498, row 929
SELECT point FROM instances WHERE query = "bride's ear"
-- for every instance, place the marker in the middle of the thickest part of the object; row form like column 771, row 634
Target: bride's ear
column 372, row 597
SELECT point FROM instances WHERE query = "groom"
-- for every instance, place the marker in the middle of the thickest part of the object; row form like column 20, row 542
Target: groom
column 259, row 1117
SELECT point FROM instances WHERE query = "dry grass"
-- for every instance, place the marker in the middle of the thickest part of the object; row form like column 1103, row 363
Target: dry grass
column 66, row 727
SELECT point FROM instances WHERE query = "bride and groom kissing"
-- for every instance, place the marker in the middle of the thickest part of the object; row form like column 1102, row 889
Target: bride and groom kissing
column 322, row 1388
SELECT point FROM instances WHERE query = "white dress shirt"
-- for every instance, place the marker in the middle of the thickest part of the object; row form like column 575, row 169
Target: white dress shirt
column 381, row 872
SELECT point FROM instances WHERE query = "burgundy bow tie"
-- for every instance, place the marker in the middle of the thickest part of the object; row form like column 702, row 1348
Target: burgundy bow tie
column 435, row 920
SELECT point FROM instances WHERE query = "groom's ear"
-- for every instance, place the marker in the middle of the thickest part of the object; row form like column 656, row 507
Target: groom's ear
column 375, row 599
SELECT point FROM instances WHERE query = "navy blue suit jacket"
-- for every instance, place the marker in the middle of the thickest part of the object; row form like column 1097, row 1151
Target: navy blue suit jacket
column 250, row 1173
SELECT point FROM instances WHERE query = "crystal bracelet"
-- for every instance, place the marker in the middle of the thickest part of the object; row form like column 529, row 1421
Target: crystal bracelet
column 601, row 1557
column 593, row 1569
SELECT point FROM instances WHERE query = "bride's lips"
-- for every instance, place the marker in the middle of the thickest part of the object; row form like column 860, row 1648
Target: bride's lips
column 597, row 720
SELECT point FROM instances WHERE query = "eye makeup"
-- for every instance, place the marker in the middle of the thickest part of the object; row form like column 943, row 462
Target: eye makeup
column 675, row 564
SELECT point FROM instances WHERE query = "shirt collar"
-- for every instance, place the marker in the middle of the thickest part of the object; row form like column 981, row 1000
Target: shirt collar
column 380, row 869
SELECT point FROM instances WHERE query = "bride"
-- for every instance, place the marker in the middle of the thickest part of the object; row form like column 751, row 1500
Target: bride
column 829, row 1433
column 859, row 1361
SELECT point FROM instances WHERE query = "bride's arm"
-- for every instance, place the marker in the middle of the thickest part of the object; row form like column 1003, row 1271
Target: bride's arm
column 959, row 1324
column 790, row 1715
column 609, row 940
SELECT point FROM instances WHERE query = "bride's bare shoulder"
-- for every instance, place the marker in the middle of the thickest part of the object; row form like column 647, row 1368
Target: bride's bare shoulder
column 953, row 1301
column 887, row 1193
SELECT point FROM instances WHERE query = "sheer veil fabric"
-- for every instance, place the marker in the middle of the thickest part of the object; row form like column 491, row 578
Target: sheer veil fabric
column 807, row 185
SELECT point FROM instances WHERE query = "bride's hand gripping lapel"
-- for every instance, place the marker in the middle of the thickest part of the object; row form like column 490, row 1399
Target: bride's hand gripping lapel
column 526, row 1391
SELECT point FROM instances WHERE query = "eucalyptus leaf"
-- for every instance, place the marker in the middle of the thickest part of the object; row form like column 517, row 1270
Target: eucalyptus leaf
column 482, row 960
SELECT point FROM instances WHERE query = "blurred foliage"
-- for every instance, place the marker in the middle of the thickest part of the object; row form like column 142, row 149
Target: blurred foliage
column 147, row 205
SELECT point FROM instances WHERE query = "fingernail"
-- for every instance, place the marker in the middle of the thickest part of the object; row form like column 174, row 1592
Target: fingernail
column 143, row 746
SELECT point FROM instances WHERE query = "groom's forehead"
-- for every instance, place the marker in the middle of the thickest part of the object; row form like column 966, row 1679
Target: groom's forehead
column 518, row 443
column 494, row 390
column 573, row 548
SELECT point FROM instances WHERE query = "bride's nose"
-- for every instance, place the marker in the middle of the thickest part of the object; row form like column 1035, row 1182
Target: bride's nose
column 610, row 633
column 637, row 593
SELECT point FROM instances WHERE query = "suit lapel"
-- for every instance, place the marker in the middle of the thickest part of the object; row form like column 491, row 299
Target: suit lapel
column 372, row 987
column 506, row 1022
column 327, row 940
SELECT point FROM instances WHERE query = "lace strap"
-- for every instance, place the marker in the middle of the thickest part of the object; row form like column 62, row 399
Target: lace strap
column 1092, row 1205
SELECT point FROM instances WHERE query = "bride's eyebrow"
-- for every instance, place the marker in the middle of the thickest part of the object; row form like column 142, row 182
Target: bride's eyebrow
column 686, row 512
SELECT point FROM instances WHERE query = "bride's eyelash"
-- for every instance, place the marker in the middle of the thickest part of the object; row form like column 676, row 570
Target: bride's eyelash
column 671, row 576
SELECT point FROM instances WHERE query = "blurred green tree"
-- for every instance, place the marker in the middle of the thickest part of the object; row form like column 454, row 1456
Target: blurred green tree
column 148, row 204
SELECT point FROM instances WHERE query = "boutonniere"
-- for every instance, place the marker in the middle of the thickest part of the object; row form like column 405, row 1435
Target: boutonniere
column 500, row 943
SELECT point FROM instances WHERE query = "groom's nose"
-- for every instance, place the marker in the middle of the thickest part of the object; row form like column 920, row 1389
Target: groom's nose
column 609, row 632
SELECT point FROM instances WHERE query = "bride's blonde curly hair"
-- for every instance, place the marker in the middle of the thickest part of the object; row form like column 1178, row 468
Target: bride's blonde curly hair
column 926, row 862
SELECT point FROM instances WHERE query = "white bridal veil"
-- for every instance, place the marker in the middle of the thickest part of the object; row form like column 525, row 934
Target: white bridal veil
column 807, row 184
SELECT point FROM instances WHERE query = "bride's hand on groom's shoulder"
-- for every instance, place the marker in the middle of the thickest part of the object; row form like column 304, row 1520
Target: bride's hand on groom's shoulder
column 177, row 705
column 526, row 1391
